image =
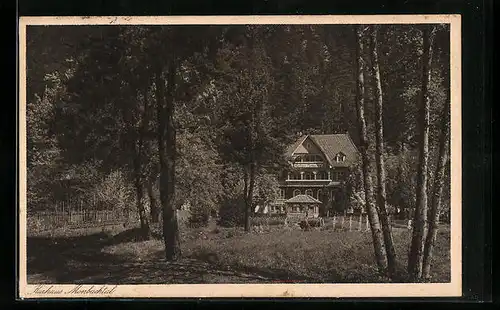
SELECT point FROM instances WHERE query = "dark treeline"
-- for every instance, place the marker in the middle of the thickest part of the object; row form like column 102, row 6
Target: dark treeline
column 153, row 117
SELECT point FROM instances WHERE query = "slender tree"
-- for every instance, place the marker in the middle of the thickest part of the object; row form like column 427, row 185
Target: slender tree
column 139, row 170
column 373, row 217
column 379, row 156
column 415, row 259
column 437, row 190
column 166, row 152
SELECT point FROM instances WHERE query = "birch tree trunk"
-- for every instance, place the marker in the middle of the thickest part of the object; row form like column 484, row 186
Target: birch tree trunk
column 167, row 154
column 415, row 259
column 378, row 245
column 379, row 157
column 437, row 190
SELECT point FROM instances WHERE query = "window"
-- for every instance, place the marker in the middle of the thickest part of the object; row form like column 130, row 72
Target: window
column 340, row 157
column 282, row 193
column 308, row 176
column 319, row 195
column 309, row 192
column 311, row 158
column 321, row 175
column 338, row 175
column 296, row 192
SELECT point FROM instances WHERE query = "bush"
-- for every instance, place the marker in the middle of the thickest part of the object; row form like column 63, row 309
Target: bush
column 309, row 223
column 231, row 212
column 268, row 220
column 114, row 192
column 198, row 217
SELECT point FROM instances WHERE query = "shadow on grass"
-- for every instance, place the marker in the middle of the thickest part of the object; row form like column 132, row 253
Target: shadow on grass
column 47, row 253
column 80, row 260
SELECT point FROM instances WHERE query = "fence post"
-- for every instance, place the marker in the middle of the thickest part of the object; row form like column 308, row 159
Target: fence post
column 343, row 219
column 333, row 223
column 350, row 222
column 367, row 223
column 360, row 227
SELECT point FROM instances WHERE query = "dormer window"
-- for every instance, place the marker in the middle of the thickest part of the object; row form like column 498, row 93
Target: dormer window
column 340, row 157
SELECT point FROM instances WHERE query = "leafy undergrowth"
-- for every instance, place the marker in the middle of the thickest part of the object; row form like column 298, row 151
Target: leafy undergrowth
column 288, row 255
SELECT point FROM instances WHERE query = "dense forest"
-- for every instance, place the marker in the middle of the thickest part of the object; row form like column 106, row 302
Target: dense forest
column 148, row 118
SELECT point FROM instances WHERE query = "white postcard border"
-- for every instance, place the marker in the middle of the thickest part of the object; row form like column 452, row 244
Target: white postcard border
column 454, row 288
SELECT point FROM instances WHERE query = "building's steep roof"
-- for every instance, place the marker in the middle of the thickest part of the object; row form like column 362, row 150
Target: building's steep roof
column 292, row 147
column 303, row 199
column 335, row 144
column 331, row 145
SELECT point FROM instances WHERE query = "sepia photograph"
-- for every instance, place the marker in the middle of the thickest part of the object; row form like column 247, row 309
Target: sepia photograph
column 240, row 157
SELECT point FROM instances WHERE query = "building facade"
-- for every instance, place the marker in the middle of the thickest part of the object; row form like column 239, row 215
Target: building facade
column 319, row 165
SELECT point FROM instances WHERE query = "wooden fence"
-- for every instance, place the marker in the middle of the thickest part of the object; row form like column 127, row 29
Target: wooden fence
column 47, row 220
column 349, row 222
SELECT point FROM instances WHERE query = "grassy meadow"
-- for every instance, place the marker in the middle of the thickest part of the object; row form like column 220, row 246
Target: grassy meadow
column 272, row 254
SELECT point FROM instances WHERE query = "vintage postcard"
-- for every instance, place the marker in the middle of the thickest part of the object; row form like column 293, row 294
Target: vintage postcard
column 240, row 156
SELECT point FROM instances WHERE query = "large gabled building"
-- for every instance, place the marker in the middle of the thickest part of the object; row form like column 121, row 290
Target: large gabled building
column 318, row 166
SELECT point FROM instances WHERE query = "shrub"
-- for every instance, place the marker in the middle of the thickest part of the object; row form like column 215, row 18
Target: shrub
column 309, row 223
column 198, row 217
column 269, row 220
column 231, row 212
column 114, row 192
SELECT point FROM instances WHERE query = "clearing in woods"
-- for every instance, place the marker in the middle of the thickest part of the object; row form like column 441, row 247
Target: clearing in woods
column 218, row 255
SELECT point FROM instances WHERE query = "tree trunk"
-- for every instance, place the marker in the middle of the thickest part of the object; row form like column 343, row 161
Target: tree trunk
column 166, row 149
column 137, row 146
column 379, row 157
column 437, row 191
column 380, row 255
column 145, row 228
column 155, row 212
column 152, row 173
column 415, row 259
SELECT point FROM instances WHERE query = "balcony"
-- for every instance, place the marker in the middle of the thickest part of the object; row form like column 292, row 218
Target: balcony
column 308, row 164
column 308, row 180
